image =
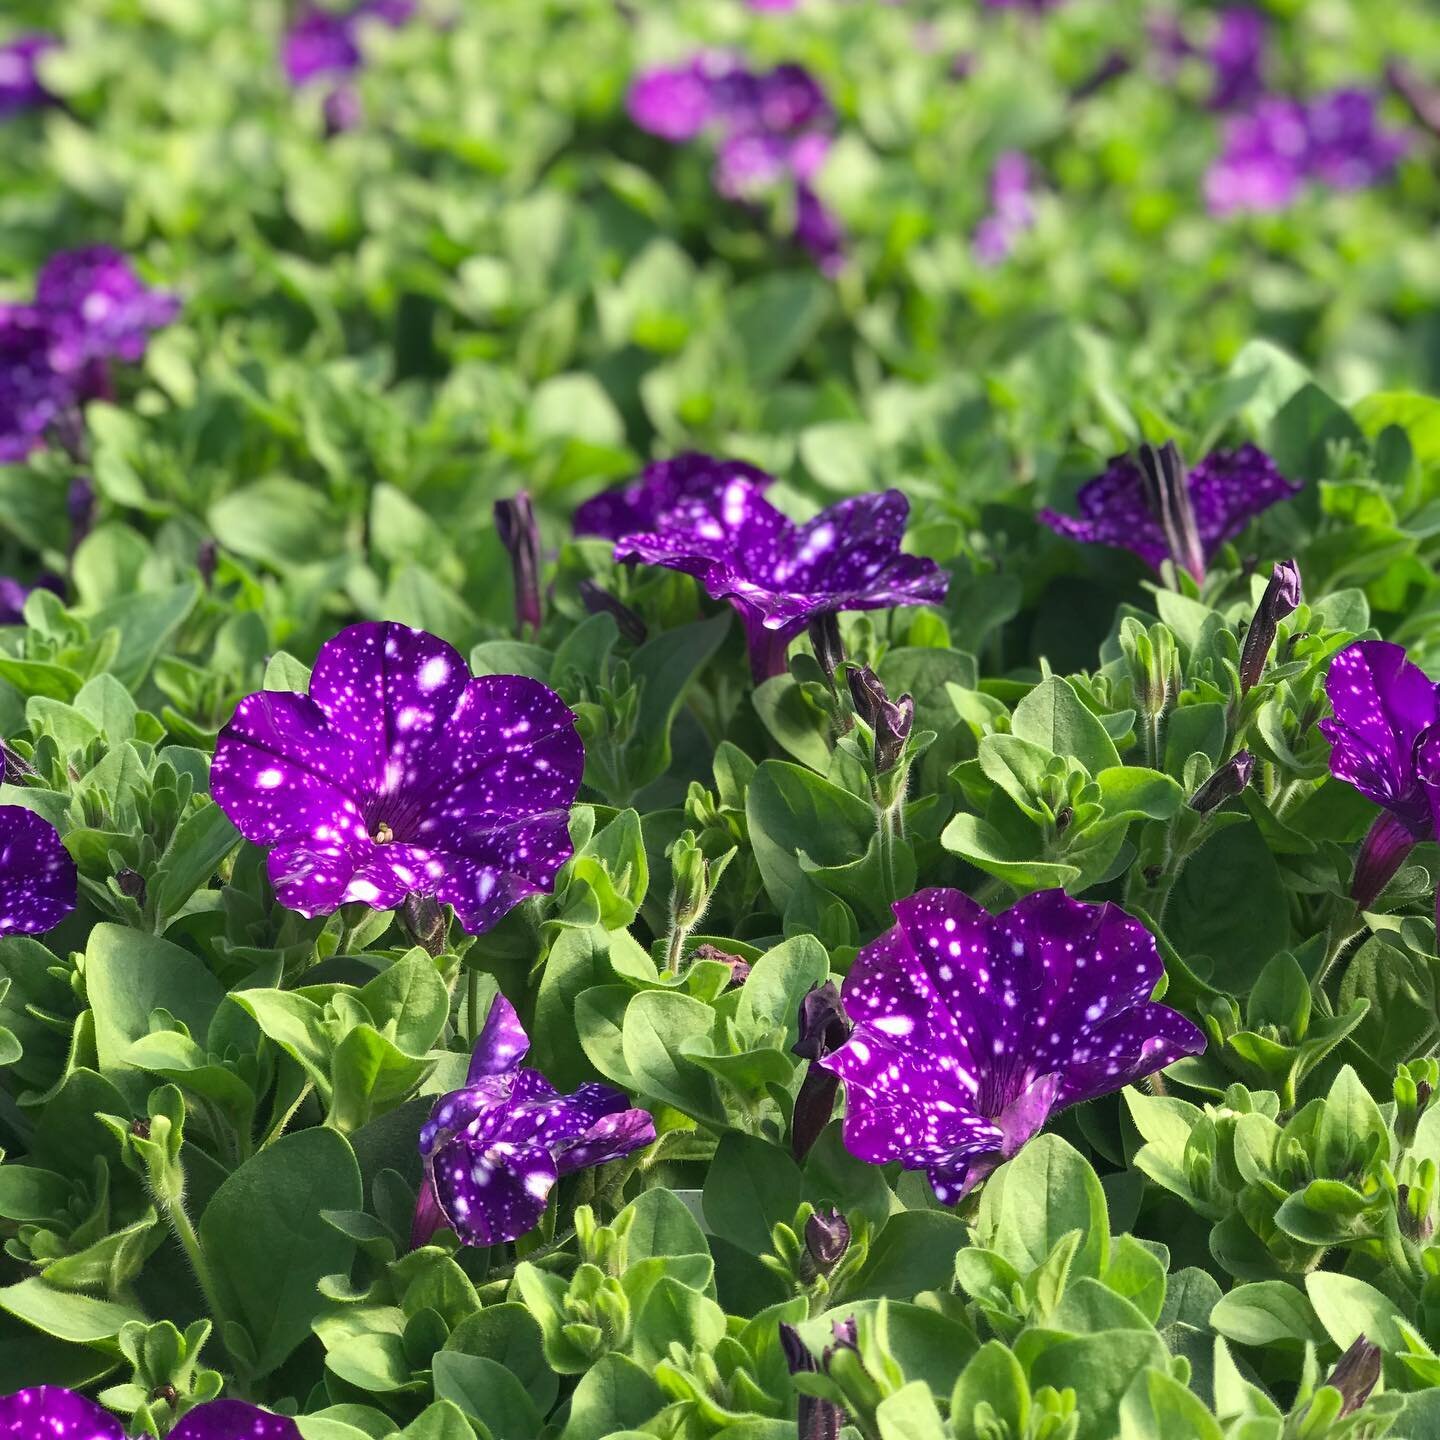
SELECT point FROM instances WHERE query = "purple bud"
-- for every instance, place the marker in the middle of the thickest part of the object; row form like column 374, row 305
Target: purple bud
column 824, row 1028
column 520, row 535
column 599, row 601
column 1112, row 67
column 131, row 883
column 817, row 1419
column 827, row 1238
column 825, row 637
column 845, row 1335
column 341, row 110
column 1382, row 853
column 1355, row 1374
column 891, row 720
column 1225, row 784
column 1281, row 597
column 80, row 507
column 423, row 917
column 1167, row 493
column 206, row 558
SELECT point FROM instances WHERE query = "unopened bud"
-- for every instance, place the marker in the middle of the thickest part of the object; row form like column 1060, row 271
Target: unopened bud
column 1225, row 784
column 206, row 558
column 80, row 507
column 825, row 638
column 140, row 1129
column 827, row 1238
column 424, row 919
column 890, row 720
column 168, row 1393
column 1356, row 1374
column 1167, row 493
column 520, row 535
column 599, row 601
column 817, row 1419
column 1382, row 852
column 131, row 883
column 341, row 110
column 824, row 1028
column 1280, row 599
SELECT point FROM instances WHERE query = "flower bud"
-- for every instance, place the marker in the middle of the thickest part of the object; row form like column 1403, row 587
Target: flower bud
column 205, row 560
column 341, row 111
column 1167, row 493
column 825, row 638
column 599, row 601
column 1356, row 1374
column 1281, row 597
column 817, row 1419
column 131, row 883
column 80, row 507
column 890, row 720
column 827, row 1238
column 824, row 1028
column 1382, row 852
column 424, row 918
column 1225, row 784
column 520, row 535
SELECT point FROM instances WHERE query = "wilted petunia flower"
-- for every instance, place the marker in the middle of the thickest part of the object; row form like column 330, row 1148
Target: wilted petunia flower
column 663, row 484
column 1237, row 57
column 780, row 575
column 399, row 773
column 972, row 1029
column 33, row 394
column 37, row 876
column 1160, row 512
column 494, row 1150
column 97, row 308
column 20, row 87
column 1383, row 742
column 48, row 1412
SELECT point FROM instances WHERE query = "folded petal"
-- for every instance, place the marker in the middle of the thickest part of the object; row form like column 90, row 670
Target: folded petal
column 493, row 1193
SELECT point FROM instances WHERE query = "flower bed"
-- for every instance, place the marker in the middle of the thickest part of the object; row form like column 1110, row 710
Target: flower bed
column 717, row 721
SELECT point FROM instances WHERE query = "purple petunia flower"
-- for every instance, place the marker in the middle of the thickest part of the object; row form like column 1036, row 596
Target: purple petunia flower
column 1385, row 742
column 1237, row 57
column 1012, row 209
column 33, row 395
column 779, row 575
column 20, row 87
column 1348, row 148
column 48, row 1412
column 97, row 308
column 399, row 773
column 662, row 485
column 1158, row 511
column 972, row 1029
column 494, row 1150
column 37, row 876
column 325, row 43
column 1037, row 7
column 1264, row 161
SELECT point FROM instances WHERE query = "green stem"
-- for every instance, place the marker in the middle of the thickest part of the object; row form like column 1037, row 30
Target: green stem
column 675, row 947
column 279, row 1122
column 886, row 830
column 175, row 1213
column 472, row 1005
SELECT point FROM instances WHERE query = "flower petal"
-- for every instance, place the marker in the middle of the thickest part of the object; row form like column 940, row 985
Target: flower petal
column 46, row 1412
column 610, row 1138
column 38, row 880
column 234, row 1420
column 502, row 1043
column 1228, row 488
column 493, row 1193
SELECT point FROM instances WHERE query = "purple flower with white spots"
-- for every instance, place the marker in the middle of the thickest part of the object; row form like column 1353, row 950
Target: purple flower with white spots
column 663, row 484
column 779, row 575
column 494, row 1150
column 399, row 773
column 97, row 308
column 1161, row 512
column 1012, row 209
column 47, row 1412
column 1264, row 160
column 33, row 395
column 1349, row 150
column 1384, row 741
column 20, row 87
column 972, row 1029
column 1237, row 57
column 37, row 876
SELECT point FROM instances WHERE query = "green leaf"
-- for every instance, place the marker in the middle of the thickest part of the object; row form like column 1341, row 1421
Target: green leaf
column 674, row 1313
column 1264, row 1313
column 750, row 1187
column 79, row 1319
column 773, row 319
column 915, row 1251
column 992, row 1383
column 656, row 1022
column 201, row 842
column 1053, row 716
column 278, row 521
column 486, row 1391
column 267, row 1243
column 1100, row 1367
column 1030, row 1202
column 664, row 667
column 910, row 1414
column 615, row 1394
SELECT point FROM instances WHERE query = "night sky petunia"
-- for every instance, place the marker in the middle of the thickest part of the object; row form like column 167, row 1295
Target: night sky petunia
column 14, row 593
column 1385, row 742
column 325, row 44
column 1186, row 519
column 972, row 1029
column 97, row 308
column 643, row 504
column 20, row 86
column 779, row 575
column 48, row 1412
column 1264, row 159
column 1012, row 210
column 398, row 772
column 1349, row 149
column 37, row 876
column 493, row 1151
column 33, row 394
column 1237, row 57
